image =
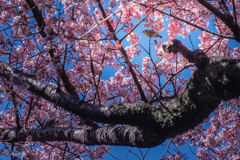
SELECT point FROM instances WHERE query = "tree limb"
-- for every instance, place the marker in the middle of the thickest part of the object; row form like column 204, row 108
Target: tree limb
column 110, row 28
column 225, row 17
column 41, row 24
column 198, row 57
column 127, row 136
column 218, row 80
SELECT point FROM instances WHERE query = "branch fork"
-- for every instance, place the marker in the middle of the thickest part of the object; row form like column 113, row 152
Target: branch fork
column 198, row 57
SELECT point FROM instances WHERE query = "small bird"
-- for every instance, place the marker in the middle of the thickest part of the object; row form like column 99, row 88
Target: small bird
column 151, row 33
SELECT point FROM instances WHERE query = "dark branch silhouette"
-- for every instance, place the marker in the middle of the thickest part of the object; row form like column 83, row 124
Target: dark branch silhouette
column 153, row 123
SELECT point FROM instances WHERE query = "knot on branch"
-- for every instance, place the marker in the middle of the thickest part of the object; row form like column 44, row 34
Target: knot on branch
column 173, row 46
column 8, row 134
column 198, row 57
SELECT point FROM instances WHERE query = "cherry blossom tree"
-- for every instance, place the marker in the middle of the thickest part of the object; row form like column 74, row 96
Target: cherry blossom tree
column 54, row 95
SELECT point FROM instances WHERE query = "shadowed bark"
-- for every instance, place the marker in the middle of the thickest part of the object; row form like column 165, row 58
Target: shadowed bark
column 130, row 136
column 151, row 125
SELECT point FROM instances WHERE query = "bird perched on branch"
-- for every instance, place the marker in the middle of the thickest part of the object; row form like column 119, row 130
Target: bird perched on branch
column 151, row 33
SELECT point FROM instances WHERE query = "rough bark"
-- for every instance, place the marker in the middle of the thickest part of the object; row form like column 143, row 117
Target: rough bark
column 130, row 136
column 208, row 86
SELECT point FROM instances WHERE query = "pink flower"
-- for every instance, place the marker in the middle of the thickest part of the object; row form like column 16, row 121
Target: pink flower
column 149, row 5
column 111, row 3
column 91, row 2
column 19, row 83
column 56, row 68
column 66, row 37
column 1, row 36
column 124, row 4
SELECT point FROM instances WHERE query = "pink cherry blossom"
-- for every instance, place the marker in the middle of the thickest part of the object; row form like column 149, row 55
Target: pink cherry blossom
column 94, row 52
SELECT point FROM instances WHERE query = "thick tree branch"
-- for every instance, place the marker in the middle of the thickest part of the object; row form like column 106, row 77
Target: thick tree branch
column 127, row 136
column 106, row 114
column 223, row 5
column 38, row 16
column 209, row 85
column 198, row 57
column 234, row 11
